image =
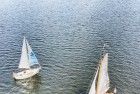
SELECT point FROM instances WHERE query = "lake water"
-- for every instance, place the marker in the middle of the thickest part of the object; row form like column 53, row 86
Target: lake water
column 67, row 37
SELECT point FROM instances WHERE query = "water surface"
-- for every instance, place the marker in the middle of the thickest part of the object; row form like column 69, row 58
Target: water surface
column 67, row 37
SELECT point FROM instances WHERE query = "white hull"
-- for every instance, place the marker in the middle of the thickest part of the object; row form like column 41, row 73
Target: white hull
column 26, row 73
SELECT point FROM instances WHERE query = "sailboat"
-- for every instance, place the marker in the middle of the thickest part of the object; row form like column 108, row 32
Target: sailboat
column 101, row 84
column 28, row 65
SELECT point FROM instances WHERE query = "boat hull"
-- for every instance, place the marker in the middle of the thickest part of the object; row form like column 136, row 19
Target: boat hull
column 25, row 73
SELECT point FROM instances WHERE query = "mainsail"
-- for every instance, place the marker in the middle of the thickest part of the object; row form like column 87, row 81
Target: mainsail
column 100, row 83
column 103, row 78
column 24, row 58
column 28, row 57
column 31, row 56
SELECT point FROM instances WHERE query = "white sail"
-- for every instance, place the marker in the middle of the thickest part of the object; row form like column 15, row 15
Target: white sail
column 31, row 56
column 93, row 86
column 24, row 63
column 115, row 90
column 103, row 78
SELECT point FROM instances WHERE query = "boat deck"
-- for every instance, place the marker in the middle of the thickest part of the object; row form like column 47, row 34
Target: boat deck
column 23, row 69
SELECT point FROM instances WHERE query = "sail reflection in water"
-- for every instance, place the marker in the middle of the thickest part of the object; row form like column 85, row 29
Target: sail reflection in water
column 29, row 85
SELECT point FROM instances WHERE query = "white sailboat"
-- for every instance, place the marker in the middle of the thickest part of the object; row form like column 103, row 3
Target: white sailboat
column 100, row 84
column 29, row 65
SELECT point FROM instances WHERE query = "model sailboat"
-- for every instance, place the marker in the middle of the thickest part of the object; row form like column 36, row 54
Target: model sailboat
column 100, row 84
column 29, row 65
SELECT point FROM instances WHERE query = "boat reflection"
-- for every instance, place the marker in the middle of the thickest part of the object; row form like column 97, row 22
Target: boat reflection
column 29, row 85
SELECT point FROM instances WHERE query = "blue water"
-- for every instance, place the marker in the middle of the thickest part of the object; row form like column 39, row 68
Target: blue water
column 67, row 37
